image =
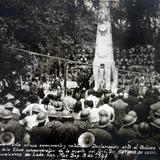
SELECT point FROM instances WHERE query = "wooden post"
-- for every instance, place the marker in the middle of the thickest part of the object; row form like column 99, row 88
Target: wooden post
column 59, row 68
column 21, row 82
column 65, row 78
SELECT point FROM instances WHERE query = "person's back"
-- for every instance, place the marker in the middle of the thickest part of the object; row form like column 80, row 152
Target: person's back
column 93, row 98
column 69, row 101
column 40, row 134
column 101, row 136
column 142, row 111
column 120, row 108
column 94, row 115
column 132, row 98
column 10, row 125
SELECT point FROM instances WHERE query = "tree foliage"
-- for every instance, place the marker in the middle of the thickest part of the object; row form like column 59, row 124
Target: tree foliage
column 68, row 27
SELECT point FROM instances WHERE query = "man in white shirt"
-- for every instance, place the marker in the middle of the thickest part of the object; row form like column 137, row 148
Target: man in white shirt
column 69, row 101
column 46, row 86
column 91, row 97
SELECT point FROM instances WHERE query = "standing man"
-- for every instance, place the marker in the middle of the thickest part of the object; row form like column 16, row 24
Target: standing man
column 69, row 101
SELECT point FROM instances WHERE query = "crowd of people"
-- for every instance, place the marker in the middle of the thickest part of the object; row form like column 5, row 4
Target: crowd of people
column 138, row 58
column 42, row 114
column 38, row 110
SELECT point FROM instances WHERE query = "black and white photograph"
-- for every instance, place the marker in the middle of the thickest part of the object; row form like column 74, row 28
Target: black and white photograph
column 80, row 79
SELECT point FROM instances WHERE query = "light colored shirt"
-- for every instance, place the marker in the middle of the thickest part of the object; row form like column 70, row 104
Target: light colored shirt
column 69, row 102
column 30, row 122
column 94, row 115
column 94, row 99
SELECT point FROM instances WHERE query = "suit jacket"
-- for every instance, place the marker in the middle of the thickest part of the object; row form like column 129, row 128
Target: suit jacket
column 142, row 111
column 39, row 135
column 131, row 101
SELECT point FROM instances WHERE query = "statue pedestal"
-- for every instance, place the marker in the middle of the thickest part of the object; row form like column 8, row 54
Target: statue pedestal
column 105, row 74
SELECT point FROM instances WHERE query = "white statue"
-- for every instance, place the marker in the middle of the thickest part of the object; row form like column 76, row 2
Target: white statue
column 104, row 65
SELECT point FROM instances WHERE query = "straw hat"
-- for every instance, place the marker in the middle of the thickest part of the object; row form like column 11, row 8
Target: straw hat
column 41, row 117
column 103, row 112
column 86, row 140
column 6, row 114
column 103, row 122
column 66, row 114
column 36, row 108
column 52, row 113
column 7, row 138
column 143, row 129
column 84, row 115
column 129, row 120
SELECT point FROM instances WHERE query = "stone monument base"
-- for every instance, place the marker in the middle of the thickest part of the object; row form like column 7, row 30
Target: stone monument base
column 105, row 75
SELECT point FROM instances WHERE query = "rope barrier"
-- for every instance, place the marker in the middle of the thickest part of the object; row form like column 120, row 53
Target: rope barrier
column 80, row 63
column 47, row 56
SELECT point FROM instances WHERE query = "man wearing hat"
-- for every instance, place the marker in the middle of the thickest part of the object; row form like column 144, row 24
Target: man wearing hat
column 68, row 132
column 53, row 124
column 15, row 111
column 120, row 108
column 82, row 122
column 126, row 132
column 142, row 111
column 40, row 134
column 105, row 124
column 108, row 108
column 31, row 120
column 10, row 125
column 143, row 131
